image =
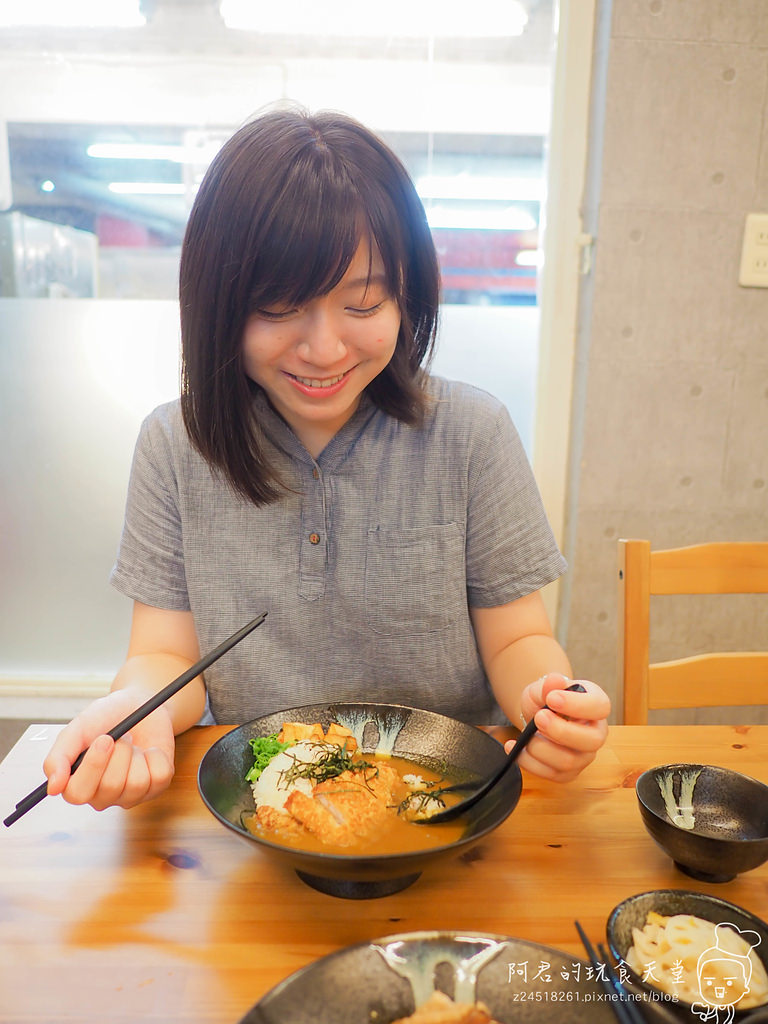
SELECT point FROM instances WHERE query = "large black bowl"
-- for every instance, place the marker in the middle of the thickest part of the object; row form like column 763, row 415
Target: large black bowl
column 383, row 980
column 726, row 819
column 432, row 740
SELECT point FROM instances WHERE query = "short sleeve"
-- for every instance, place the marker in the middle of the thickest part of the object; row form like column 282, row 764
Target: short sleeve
column 150, row 560
column 511, row 550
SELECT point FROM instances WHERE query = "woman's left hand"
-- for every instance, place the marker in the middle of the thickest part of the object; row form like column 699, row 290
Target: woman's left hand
column 571, row 726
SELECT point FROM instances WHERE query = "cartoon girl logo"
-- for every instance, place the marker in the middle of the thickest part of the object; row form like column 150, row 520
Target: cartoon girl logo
column 724, row 976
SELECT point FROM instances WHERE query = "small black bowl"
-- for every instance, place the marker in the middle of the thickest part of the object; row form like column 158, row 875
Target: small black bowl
column 425, row 737
column 722, row 818
column 633, row 912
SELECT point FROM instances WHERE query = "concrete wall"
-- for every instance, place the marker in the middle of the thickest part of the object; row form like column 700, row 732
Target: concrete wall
column 670, row 425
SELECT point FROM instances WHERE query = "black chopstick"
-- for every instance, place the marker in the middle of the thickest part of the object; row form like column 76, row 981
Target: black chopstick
column 34, row 798
column 618, row 986
column 622, row 1006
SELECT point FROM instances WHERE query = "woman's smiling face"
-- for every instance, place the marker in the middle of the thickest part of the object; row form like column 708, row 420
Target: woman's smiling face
column 315, row 361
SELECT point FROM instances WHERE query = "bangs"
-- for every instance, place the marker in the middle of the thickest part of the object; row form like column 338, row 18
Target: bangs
column 310, row 235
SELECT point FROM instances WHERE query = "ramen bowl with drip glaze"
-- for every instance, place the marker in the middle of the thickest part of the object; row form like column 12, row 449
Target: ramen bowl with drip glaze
column 389, row 978
column 712, row 822
column 434, row 742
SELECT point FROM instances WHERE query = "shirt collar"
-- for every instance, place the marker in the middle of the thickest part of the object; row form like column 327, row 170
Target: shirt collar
column 280, row 434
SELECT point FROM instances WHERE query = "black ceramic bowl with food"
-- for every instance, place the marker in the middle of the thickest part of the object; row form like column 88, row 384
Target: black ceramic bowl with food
column 712, row 822
column 633, row 913
column 424, row 737
column 386, row 979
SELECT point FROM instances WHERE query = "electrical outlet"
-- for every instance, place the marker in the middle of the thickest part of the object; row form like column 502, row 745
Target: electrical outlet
column 753, row 271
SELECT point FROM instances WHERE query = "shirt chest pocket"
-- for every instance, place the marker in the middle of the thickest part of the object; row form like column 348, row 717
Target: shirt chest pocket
column 415, row 580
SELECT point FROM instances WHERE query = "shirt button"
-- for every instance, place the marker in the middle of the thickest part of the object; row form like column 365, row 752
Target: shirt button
column 314, row 538
column 316, row 473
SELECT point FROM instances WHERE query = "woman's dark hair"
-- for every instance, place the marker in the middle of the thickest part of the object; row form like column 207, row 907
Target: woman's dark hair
column 277, row 219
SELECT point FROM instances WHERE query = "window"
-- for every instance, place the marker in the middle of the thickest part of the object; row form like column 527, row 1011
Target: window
column 96, row 205
column 85, row 352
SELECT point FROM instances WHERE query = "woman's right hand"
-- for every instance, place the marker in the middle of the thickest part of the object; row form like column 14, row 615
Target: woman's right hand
column 121, row 773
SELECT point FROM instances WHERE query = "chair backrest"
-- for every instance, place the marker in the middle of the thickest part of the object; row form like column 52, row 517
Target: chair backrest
column 704, row 680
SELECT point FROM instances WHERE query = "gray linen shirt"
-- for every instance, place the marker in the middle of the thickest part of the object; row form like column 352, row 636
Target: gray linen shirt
column 367, row 567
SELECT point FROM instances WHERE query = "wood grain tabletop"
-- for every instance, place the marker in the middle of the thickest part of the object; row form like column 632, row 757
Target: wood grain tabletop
column 162, row 914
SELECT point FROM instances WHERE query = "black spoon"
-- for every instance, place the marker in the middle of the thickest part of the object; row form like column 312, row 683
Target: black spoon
column 464, row 805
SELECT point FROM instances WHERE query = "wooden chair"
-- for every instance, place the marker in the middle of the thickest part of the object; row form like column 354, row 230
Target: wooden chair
column 705, row 680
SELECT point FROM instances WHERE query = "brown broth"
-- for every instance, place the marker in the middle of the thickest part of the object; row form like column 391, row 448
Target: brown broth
column 398, row 835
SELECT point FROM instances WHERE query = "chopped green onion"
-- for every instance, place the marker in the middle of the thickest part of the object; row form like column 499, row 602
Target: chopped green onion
column 264, row 749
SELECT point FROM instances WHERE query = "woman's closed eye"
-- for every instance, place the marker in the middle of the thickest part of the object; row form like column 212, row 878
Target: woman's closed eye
column 365, row 310
column 275, row 314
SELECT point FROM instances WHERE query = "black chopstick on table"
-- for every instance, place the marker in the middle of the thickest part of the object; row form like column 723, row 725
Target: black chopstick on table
column 623, row 1007
column 619, row 988
column 34, row 798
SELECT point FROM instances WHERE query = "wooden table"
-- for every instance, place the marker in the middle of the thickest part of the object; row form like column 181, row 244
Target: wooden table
column 161, row 914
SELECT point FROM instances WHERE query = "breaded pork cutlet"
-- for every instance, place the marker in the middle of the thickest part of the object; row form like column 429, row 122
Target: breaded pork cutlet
column 283, row 825
column 439, row 1009
column 349, row 807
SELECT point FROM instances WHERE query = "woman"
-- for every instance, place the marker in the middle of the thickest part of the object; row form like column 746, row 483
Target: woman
column 387, row 520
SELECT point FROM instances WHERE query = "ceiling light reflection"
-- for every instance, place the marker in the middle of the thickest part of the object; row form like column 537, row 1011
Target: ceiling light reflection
column 475, row 186
column 530, row 258
column 147, row 188
column 510, row 219
column 148, row 151
column 72, row 13
column 425, row 19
